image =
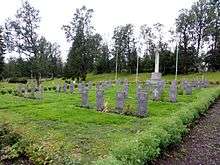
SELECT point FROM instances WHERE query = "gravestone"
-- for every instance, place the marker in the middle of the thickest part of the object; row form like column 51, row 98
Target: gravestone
column 187, row 87
column 100, row 100
column 173, row 92
column 64, row 87
column 142, row 104
column 71, row 87
column 156, row 94
column 90, row 84
column 84, row 97
column 81, row 87
column 126, row 87
column 58, row 88
column 120, row 100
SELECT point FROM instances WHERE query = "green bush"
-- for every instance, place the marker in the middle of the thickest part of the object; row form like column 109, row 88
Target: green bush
column 18, row 80
column 3, row 92
column 163, row 132
column 10, row 91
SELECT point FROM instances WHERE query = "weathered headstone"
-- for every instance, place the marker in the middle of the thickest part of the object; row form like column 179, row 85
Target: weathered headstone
column 173, row 91
column 120, row 101
column 84, row 95
column 187, row 87
column 142, row 104
column 126, row 87
column 71, row 87
column 100, row 100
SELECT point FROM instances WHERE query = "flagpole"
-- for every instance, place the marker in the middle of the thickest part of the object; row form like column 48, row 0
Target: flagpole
column 177, row 56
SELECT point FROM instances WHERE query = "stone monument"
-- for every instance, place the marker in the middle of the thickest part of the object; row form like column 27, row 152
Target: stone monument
column 156, row 75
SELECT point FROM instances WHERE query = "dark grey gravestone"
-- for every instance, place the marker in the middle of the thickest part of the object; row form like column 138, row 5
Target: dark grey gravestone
column 84, row 95
column 71, row 87
column 142, row 104
column 80, row 87
column 100, row 100
column 187, row 87
column 173, row 92
column 126, row 87
column 120, row 101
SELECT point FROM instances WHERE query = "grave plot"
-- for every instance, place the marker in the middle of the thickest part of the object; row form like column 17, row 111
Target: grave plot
column 58, row 128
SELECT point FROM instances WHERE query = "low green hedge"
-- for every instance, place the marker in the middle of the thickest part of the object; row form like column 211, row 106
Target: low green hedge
column 147, row 145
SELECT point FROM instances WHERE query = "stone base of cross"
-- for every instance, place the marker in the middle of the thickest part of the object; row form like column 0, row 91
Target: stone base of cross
column 155, row 76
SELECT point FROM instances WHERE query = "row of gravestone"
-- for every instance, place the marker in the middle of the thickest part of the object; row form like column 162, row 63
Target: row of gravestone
column 187, row 87
column 31, row 92
column 120, row 99
column 81, row 86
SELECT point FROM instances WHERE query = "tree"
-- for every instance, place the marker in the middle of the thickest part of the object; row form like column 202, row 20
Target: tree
column 81, row 54
column 102, row 61
column 22, row 37
column 124, row 50
column 184, row 27
column 2, row 52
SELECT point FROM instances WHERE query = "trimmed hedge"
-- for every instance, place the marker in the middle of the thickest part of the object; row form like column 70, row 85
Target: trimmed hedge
column 147, row 145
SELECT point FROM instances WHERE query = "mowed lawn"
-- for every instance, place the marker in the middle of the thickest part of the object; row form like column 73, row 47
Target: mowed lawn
column 57, row 128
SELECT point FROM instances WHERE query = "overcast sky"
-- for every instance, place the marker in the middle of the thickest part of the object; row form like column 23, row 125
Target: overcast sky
column 108, row 14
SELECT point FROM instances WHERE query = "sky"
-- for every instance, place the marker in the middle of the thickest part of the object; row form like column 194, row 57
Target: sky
column 107, row 15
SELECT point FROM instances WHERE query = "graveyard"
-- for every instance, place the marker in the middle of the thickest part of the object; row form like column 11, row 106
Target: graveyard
column 62, row 126
column 109, row 82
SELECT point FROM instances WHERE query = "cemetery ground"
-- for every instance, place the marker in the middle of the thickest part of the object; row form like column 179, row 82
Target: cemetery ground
column 56, row 129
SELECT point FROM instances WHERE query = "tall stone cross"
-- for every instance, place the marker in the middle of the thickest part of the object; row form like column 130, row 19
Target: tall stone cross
column 157, row 57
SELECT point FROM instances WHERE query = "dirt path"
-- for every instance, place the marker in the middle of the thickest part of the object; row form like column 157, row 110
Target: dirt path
column 201, row 146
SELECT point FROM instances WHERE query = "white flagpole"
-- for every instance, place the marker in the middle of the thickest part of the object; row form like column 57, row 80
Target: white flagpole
column 116, row 67
column 137, row 69
column 177, row 56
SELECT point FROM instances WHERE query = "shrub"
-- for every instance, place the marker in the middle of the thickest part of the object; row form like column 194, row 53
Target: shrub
column 76, row 86
column 54, row 88
column 45, row 88
column 18, row 80
column 10, row 91
column 3, row 92
column 217, row 82
column 49, row 88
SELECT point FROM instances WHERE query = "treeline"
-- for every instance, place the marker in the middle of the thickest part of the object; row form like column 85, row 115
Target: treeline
column 196, row 39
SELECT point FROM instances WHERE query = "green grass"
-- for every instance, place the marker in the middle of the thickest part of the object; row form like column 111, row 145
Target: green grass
column 56, row 129
column 211, row 76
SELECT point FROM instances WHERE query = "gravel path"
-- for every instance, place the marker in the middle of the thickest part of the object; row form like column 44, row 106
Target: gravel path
column 201, row 146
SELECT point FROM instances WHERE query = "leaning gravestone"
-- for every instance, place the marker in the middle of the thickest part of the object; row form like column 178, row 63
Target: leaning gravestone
column 99, row 100
column 120, row 101
column 173, row 92
column 84, row 96
column 142, row 104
